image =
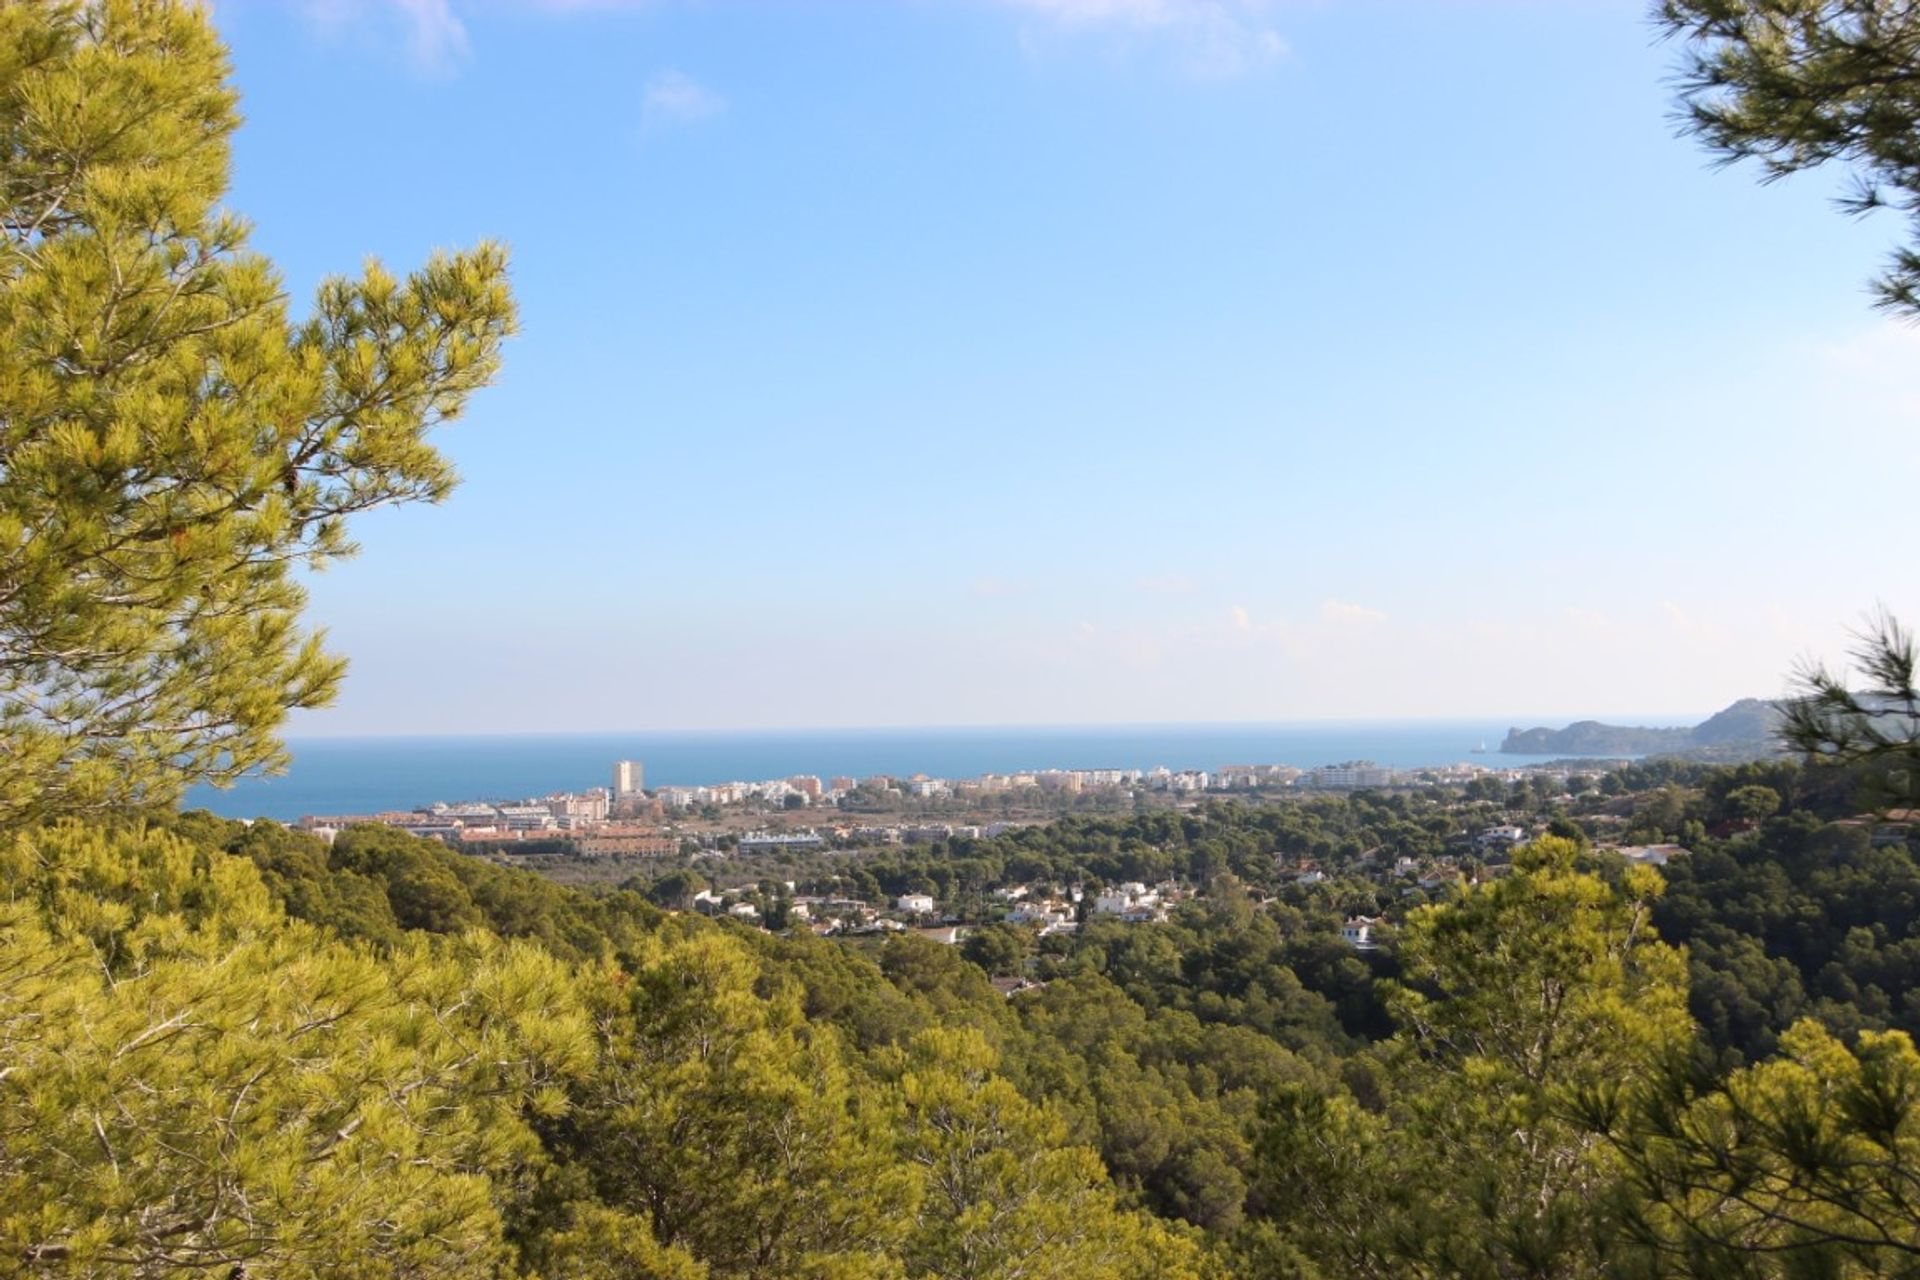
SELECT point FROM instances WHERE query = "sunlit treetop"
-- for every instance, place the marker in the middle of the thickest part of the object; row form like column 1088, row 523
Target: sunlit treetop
column 173, row 443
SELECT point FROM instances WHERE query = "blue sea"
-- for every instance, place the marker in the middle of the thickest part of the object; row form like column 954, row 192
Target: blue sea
column 365, row 775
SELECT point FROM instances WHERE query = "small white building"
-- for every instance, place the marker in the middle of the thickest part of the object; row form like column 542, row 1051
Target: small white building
column 919, row 904
column 1358, row 933
column 1041, row 913
column 1130, row 901
column 1652, row 855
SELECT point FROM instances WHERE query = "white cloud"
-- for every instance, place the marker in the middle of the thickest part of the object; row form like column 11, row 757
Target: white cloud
column 585, row 6
column 1205, row 38
column 432, row 33
column 1211, row 38
column 1345, row 611
column 673, row 97
column 435, row 32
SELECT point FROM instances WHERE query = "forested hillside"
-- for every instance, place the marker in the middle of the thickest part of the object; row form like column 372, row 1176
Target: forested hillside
column 231, row 1042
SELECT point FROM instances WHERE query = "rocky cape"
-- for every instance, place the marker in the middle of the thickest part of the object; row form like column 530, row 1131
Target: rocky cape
column 1745, row 730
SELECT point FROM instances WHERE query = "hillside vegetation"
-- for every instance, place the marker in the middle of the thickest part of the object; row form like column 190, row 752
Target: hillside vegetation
column 231, row 1044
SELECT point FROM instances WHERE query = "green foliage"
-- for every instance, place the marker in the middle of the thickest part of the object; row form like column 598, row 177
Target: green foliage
column 1874, row 729
column 1796, row 84
column 1171, row 1103
column 1751, row 803
column 939, row 976
column 1001, row 949
column 1002, row 1195
column 194, row 1082
column 1518, row 994
column 727, row 1125
column 1545, row 972
column 374, row 883
column 1797, row 918
column 562, row 1083
column 676, row 889
column 844, row 987
column 172, row 443
column 1801, row 1166
column 1235, row 973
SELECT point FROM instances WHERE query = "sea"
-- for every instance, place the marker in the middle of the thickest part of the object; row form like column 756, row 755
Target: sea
column 342, row 775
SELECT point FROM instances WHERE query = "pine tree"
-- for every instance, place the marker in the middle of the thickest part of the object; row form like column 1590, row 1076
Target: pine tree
column 173, row 443
column 193, row 1084
column 1515, row 997
column 1797, row 84
column 1806, row 1164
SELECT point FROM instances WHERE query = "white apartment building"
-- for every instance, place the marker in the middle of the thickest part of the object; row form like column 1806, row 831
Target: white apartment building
column 580, row 808
column 526, row 817
column 629, row 778
column 1352, row 776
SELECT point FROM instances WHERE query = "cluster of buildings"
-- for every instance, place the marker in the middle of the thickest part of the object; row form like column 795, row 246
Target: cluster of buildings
column 601, row 822
column 1363, row 774
column 800, row 790
column 804, row 790
column 1132, row 901
column 1052, row 910
column 863, row 835
column 1048, row 910
column 621, row 820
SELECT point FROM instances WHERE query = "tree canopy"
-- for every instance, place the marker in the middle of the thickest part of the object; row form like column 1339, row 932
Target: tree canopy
column 1869, row 721
column 1797, row 84
column 174, row 443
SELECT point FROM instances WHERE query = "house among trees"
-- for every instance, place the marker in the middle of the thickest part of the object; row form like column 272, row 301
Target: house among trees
column 1651, row 855
column 1358, row 932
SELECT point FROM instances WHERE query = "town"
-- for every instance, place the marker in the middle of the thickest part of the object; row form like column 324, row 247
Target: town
column 771, row 854
column 626, row 820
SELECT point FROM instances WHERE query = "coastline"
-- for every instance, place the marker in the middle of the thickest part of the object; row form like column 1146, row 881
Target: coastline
column 351, row 775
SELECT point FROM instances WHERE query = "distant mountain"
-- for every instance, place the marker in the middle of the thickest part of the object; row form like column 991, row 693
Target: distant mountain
column 1748, row 720
column 1742, row 731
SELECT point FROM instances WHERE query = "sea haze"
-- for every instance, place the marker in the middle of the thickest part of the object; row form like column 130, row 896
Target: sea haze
column 364, row 775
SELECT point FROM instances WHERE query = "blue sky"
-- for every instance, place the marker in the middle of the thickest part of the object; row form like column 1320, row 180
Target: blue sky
column 1081, row 361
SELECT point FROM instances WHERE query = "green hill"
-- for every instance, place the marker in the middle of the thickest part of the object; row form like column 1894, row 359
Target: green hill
column 1744, row 730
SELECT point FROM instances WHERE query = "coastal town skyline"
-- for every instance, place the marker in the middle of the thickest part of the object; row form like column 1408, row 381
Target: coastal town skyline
column 808, row 812
column 376, row 773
